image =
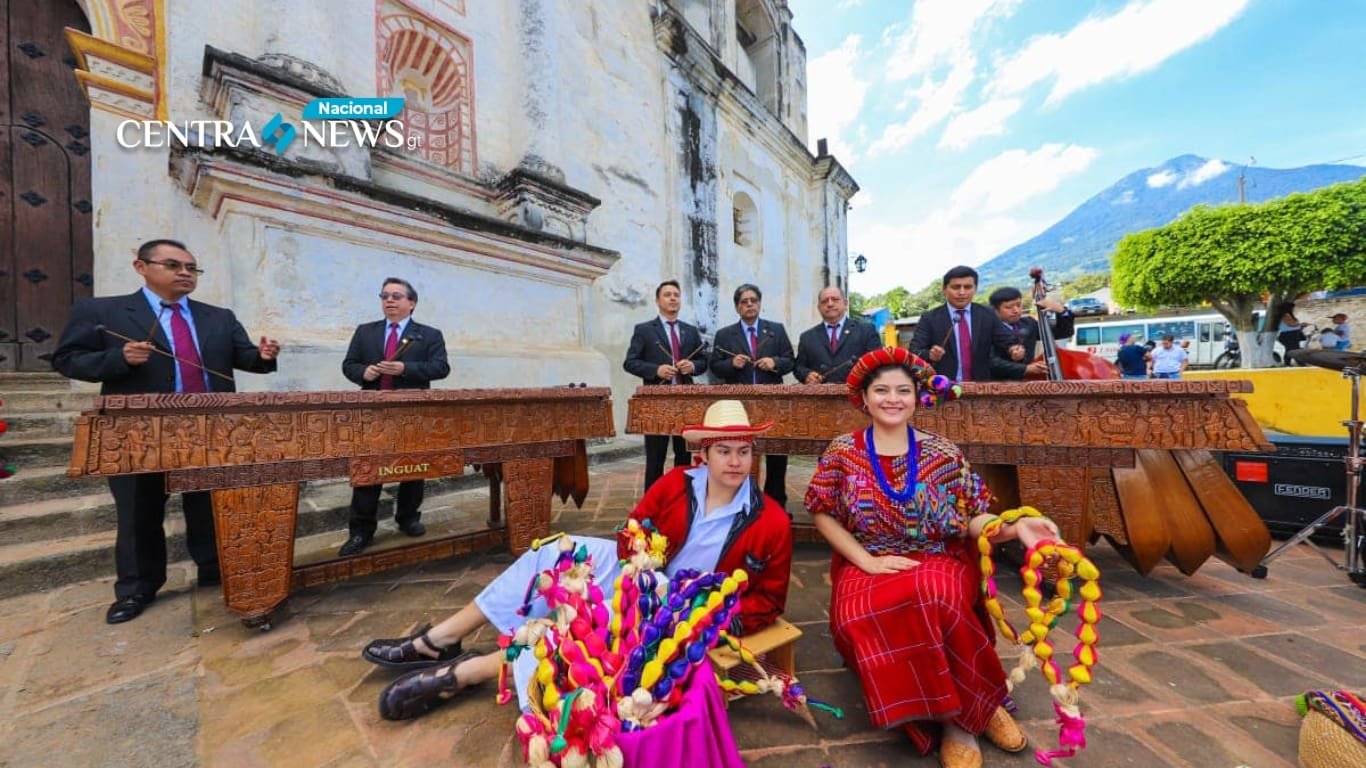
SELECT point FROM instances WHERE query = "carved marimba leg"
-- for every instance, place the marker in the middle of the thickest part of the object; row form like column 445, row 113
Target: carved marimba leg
column 527, row 483
column 255, row 530
column 1060, row 493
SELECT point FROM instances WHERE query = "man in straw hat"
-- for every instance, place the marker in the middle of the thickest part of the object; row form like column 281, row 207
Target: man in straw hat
column 715, row 519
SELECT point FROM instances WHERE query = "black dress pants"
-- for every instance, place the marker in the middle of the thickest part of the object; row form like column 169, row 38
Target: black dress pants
column 657, row 450
column 365, row 506
column 775, row 478
column 140, row 546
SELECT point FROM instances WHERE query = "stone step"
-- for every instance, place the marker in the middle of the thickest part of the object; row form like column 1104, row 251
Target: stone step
column 44, row 564
column 31, row 484
column 43, row 400
column 29, row 424
column 32, row 452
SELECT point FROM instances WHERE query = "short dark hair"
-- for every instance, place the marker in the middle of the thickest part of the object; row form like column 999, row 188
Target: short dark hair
column 1002, row 295
column 1168, row 337
column 412, row 292
column 145, row 250
column 960, row 271
column 660, row 287
column 747, row 287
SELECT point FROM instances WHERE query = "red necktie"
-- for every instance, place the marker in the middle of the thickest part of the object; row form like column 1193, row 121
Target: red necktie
column 753, row 354
column 390, row 347
column 964, row 345
column 834, row 337
column 191, row 374
column 673, row 345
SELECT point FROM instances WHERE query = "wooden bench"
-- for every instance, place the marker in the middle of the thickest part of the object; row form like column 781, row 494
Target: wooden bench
column 775, row 646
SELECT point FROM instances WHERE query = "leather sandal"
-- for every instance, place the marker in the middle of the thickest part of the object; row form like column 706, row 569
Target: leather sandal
column 402, row 653
column 1004, row 732
column 421, row 691
column 955, row 755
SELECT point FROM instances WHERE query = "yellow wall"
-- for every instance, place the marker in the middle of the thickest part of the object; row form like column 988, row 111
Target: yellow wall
column 1297, row 401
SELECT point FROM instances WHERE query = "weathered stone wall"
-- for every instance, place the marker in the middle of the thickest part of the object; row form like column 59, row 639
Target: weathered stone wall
column 582, row 95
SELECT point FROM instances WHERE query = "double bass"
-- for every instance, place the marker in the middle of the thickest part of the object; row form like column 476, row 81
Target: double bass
column 1063, row 363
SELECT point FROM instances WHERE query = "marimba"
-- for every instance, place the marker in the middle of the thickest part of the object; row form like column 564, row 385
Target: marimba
column 1128, row 461
column 252, row 450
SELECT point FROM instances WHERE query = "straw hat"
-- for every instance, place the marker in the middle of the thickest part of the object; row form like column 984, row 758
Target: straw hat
column 724, row 420
column 934, row 388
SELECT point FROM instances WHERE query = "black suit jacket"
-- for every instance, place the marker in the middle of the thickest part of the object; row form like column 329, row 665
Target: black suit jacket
column 1027, row 333
column 772, row 342
column 649, row 349
column 424, row 361
column 89, row 354
column 857, row 338
column 988, row 334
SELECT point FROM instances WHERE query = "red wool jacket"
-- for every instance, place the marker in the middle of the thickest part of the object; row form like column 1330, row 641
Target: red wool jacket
column 759, row 543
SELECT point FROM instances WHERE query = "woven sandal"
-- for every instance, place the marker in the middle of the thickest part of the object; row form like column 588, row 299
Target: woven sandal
column 401, row 653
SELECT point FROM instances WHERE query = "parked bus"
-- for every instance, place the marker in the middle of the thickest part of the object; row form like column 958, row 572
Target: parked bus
column 1206, row 333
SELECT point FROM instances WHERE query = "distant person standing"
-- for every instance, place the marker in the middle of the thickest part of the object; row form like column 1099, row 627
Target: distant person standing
column 1132, row 358
column 1289, row 331
column 1167, row 360
column 1343, row 330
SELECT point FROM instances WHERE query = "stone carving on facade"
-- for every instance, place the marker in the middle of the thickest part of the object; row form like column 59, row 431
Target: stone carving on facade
column 430, row 65
column 534, row 195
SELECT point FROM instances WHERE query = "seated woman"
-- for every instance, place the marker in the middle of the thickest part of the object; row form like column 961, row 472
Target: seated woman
column 715, row 519
column 900, row 508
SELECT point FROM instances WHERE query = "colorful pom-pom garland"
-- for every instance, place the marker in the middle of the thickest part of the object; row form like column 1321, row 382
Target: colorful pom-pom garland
column 600, row 673
column 1071, row 562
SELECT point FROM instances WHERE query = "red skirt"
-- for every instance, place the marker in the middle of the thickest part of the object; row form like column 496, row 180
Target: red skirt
column 922, row 652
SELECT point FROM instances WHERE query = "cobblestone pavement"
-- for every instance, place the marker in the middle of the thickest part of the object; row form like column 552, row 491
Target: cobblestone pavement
column 1195, row 671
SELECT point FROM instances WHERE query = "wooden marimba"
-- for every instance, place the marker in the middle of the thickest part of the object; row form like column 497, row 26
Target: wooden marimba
column 252, row 450
column 1128, row 461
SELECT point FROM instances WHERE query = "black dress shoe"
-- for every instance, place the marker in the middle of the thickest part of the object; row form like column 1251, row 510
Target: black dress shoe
column 209, row 577
column 415, row 528
column 127, row 608
column 354, row 545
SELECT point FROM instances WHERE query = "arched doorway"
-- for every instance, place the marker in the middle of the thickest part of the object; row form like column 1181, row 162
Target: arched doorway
column 45, row 207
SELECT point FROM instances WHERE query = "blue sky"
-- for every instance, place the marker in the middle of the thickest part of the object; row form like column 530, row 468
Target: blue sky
column 973, row 125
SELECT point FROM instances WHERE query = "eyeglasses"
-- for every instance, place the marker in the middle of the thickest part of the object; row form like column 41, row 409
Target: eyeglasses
column 748, row 300
column 176, row 266
column 395, row 295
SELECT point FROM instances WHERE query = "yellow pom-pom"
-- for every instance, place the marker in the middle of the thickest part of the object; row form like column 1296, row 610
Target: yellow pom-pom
column 1087, row 634
column 1036, row 615
column 740, row 576
column 653, row 670
column 1038, row 630
column 1043, row 651
column 667, row 646
column 1089, row 612
column 1080, row 675
column 1031, row 577
column 1087, row 655
column 1087, row 570
column 1090, row 591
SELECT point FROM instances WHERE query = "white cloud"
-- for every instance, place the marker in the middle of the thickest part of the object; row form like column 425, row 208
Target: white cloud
column 1203, row 174
column 935, row 54
column 987, row 120
column 1163, row 179
column 836, row 95
column 977, row 222
column 844, row 5
column 1015, row 176
column 1136, row 39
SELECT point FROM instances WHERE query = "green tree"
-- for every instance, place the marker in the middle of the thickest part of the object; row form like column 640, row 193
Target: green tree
column 1084, row 284
column 1232, row 256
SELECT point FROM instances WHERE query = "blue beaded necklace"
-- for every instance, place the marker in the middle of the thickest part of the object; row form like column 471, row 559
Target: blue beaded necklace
column 913, row 485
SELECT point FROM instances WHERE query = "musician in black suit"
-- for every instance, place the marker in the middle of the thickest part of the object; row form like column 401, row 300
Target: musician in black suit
column 161, row 322
column 1009, row 306
column 394, row 353
column 826, row 351
column 755, row 351
column 665, row 351
column 958, row 337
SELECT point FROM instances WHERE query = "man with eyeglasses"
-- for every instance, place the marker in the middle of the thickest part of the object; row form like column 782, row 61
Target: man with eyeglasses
column 158, row 340
column 755, row 351
column 394, row 353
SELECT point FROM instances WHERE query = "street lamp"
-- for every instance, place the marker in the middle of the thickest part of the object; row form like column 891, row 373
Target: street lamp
column 860, row 263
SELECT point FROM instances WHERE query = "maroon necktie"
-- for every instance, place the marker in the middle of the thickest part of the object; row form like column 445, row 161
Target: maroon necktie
column 191, row 374
column 753, row 354
column 390, row 347
column 675, row 350
column 964, row 345
column 834, row 337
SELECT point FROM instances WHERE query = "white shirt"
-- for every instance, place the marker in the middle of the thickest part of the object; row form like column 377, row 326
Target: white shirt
column 1168, row 360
